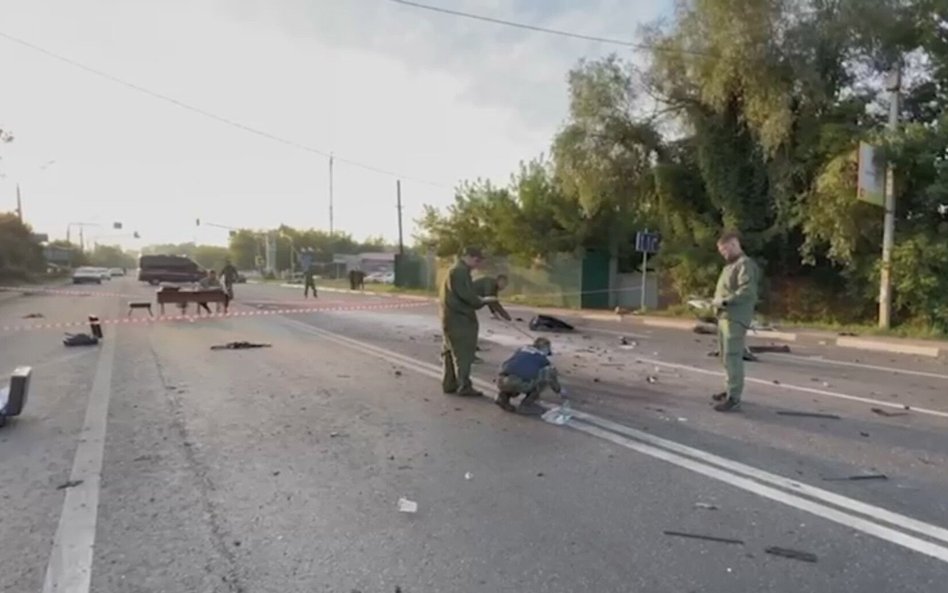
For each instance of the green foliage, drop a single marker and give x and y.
(111, 256)
(763, 104)
(20, 256)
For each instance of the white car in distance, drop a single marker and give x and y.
(87, 275)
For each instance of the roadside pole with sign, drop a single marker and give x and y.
(646, 243)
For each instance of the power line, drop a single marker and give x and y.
(208, 114)
(487, 19)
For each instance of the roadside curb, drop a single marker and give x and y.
(932, 350)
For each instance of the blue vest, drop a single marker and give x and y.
(525, 364)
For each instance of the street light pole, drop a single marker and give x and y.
(331, 227)
(894, 87)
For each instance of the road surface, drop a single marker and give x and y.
(151, 463)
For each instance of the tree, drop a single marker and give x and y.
(111, 256)
(20, 256)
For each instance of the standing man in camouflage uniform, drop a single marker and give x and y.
(734, 300)
(458, 304)
(489, 286)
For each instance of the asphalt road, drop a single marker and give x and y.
(151, 463)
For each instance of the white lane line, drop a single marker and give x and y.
(861, 365)
(850, 504)
(70, 563)
(790, 386)
(858, 523)
(742, 476)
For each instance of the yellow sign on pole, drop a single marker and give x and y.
(870, 182)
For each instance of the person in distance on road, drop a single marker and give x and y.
(208, 282)
(458, 303)
(309, 280)
(734, 300)
(229, 276)
(489, 286)
(528, 371)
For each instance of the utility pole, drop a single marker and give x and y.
(19, 204)
(894, 86)
(398, 190)
(331, 228)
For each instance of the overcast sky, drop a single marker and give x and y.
(428, 96)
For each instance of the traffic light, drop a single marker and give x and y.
(117, 226)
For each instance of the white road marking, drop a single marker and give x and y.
(845, 511)
(70, 563)
(860, 365)
(789, 386)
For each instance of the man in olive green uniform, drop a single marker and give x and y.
(734, 299)
(458, 307)
(489, 286)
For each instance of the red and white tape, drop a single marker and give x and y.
(209, 317)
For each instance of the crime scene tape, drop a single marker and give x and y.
(64, 291)
(209, 317)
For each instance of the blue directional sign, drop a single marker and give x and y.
(646, 242)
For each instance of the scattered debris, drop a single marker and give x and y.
(706, 506)
(468, 476)
(80, 340)
(69, 484)
(886, 413)
(398, 373)
(775, 348)
(710, 538)
(559, 415)
(792, 554)
(705, 329)
(848, 334)
(595, 379)
(681, 419)
(239, 346)
(540, 474)
(856, 478)
(807, 414)
(333, 435)
(550, 324)
(651, 379)
(34, 316)
(863, 434)
(407, 506)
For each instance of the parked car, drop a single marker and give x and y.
(114, 272)
(104, 273)
(156, 269)
(87, 275)
(388, 278)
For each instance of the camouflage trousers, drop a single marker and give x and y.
(514, 386)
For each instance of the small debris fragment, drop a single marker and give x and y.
(792, 554)
(398, 373)
(237, 543)
(651, 379)
(69, 484)
(886, 413)
(775, 348)
(468, 476)
(595, 379)
(776, 382)
(242, 345)
(33, 316)
(807, 414)
(710, 538)
(407, 506)
(333, 435)
(860, 477)
(706, 506)
(80, 340)
(863, 434)
(540, 474)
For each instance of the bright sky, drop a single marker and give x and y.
(425, 95)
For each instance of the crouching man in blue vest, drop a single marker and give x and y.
(528, 371)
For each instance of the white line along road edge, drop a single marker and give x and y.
(70, 563)
(869, 519)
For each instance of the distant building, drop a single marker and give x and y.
(59, 256)
(367, 262)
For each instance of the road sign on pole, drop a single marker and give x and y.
(646, 243)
